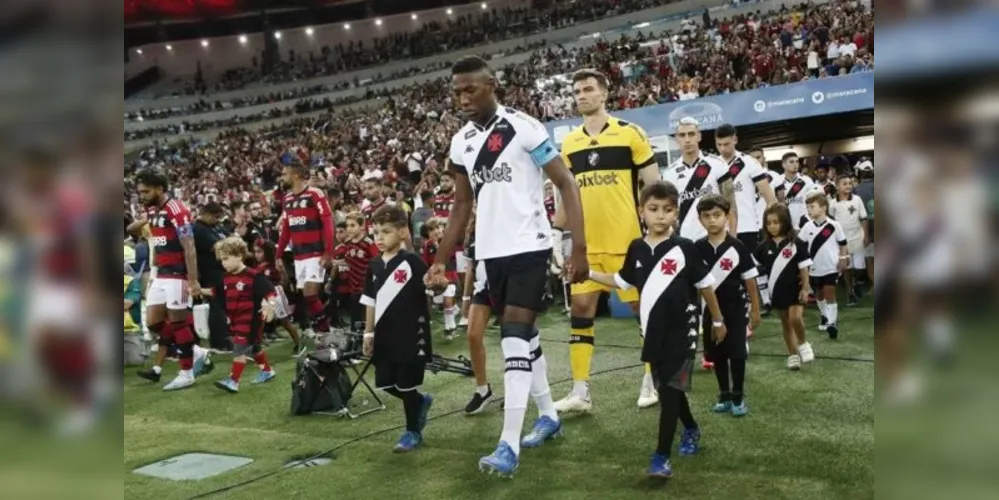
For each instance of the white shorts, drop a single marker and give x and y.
(309, 271)
(57, 306)
(858, 260)
(481, 280)
(281, 309)
(169, 292)
(449, 293)
(461, 263)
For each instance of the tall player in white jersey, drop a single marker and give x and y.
(695, 175)
(793, 189)
(498, 158)
(750, 182)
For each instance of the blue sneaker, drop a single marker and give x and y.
(228, 385)
(408, 442)
(690, 442)
(502, 462)
(263, 377)
(202, 365)
(740, 410)
(428, 401)
(723, 407)
(544, 429)
(659, 467)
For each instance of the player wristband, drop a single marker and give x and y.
(466, 299)
(369, 335)
(591, 273)
(844, 257)
(718, 324)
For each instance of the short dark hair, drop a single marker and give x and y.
(426, 195)
(469, 64)
(236, 205)
(791, 154)
(334, 192)
(392, 215)
(152, 178)
(713, 201)
(660, 190)
(587, 73)
(212, 208)
(755, 149)
(844, 176)
(341, 225)
(725, 131)
(374, 180)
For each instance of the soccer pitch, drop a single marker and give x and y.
(809, 434)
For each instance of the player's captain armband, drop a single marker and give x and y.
(544, 153)
(185, 231)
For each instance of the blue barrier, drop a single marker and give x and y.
(840, 94)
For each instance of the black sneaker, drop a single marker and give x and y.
(833, 331)
(766, 310)
(150, 375)
(297, 350)
(824, 324)
(478, 402)
(449, 335)
(852, 300)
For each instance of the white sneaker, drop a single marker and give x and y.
(463, 322)
(648, 396)
(574, 403)
(806, 353)
(181, 382)
(794, 362)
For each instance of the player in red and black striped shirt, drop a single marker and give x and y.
(307, 224)
(250, 300)
(435, 231)
(352, 259)
(375, 195)
(444, 199)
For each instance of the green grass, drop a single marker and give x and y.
(809, 434)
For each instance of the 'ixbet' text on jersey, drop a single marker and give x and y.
(596, 180)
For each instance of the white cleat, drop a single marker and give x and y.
(794, 362)
(648, 397)
(806, 353)
(574, 403)
(181, 382)
(463, 322)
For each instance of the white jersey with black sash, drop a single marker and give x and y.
(731, 265)
(668, 275)
(745, 173)
(796, 191)
(694, 181)
(824, 241)
(395, 289)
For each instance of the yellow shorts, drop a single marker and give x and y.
(609, 264)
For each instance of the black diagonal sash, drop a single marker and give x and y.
(735, 168)
(499, 139)
(826, 232)
(698, 176)
(795, 189)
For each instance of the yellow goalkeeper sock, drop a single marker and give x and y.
(581, 348)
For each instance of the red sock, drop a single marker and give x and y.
(236, 371)
(261, 360)
(317, 313)
(186, 363)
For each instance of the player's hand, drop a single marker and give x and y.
(434, 275)
(207, 292)
(194, 289)
(718, 333)
(279, 263)
(369, 346)
(326, 261)
(843, 265)
(803, 296)
(755, 320)
(267, 311)
(577, 268)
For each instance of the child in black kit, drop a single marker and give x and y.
(397, 334)
(672, 279)
(734, 273)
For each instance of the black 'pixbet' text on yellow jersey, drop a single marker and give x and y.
(606, 169)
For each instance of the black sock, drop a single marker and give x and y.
(686, 417)
(395, 392)
(738, 380)
(669, 411)
(721, 374)
(412, 402)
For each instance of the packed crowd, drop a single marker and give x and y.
(432, 38)
(739, 53)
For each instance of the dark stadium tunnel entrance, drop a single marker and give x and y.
(814, 130)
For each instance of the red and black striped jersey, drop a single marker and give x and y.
(357, 255)
(64, 223)
(443, 203)
(369, 211)
(168, 224)
(308, 224)
(271, 273)
(243, 293)
(430, 253)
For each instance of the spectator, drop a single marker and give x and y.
(207, 232)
